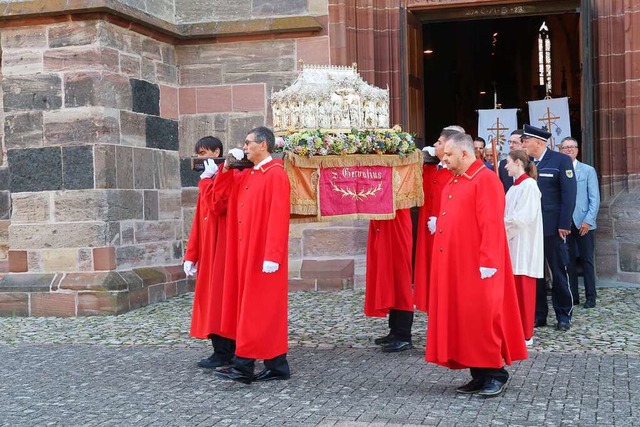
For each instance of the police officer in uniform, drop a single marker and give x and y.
(557, 183)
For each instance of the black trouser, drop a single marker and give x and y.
(278, 364)
(583, 246)
(556, 253)
(400, 322)
(499, 374)
(223, 348)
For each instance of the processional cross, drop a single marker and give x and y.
(496, 141)
(548, 119)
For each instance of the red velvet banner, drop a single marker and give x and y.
(351, 190)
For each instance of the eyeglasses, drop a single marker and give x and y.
(570, 147)
(247, 142)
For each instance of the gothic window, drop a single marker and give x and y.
(544, 58)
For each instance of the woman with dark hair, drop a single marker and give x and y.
(523, 221)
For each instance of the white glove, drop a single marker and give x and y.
(210, 169)
(189, 268)
(237, 153)
(431, 224)
(270, 267)
(487, 272)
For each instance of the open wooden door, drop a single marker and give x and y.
(413, 74)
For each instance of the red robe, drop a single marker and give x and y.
(433, 181)
(389, 265)
(473, 322)
(255, 303)
(206, 249)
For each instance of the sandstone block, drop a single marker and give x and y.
(126, 233)
(249, 98)
(77, 167)
(327, 269)
(168, 53)
(77, 206)
(143, 176)
(242, 57)
(124, 167)
(5, 177)
(148, 70)
(81, 59)
(239, 125)
(214, 99)
(169, 102)
(130, 65)
(23, 38)
(314, 50)
(188, 222)
(132, 128)
(200, 75)
(26, 282)
(156, 294)
(151, 205)
(334, 240)
(138, 298)
(170, 205)
(118, 38)
(104, 258)
(187, 100)
(171, 289)
(73, 34)
(151, 49)
(629, 257)
(103, 281)
(189, 197)
(82, 125)
(21, 62)
(53, 304)
(31, 207)
(18, 261)
(295, 247)
(105, 166)
(58, 235)
(102, 303)
(212, 10)
(85, 260)
(23, 130)
(23, 162)
(166, 73)
(5, 205)
(318, 7)
(167, 170)
(297, 285)
(14, 304)
(154, 231)
(124, 205)
(59, 260)
(95, 88)
(130, 256)
(151, 276)
(35, 92)
(274, 7)
(334, 284)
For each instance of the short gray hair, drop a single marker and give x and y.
(462, 141)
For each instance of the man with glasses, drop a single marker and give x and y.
(557, 183)
(583, 225)
(515, 143)
(256, 274)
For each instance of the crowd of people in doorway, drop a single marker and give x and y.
(524, 225)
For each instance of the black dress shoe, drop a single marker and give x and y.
(212, 363)
(231, 373)
(589, 304)
(383, 340)
(269, 375)
(539, 323)
(563, 326)
(395, 346)
(492, 388)
(473, 386)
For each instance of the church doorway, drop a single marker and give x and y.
(474, 58)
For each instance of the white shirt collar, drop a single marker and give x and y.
(442, 165)
(575, 164)
(542, 155)
(265, 161)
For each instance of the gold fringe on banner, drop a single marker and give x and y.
(354, 160)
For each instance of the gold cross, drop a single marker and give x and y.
(497, 129)
(547, 119)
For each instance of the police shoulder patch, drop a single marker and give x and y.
(569, 173)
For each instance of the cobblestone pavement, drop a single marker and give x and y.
(139, 369)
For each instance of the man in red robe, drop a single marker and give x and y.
(204, 258)
(388, 278)
(434, 177)
(256, 274)
(474, 321)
